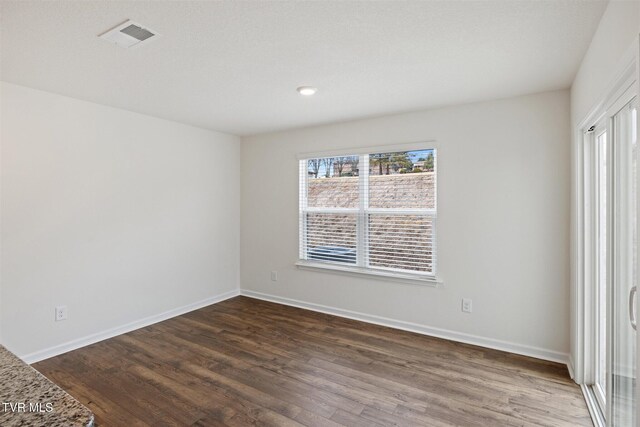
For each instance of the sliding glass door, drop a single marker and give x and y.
(624, 277)
(611, 254)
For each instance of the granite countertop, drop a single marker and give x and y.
(28, 398)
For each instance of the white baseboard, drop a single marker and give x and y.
(525, 350)
(119, 330)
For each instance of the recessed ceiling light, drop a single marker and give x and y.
(307, 90)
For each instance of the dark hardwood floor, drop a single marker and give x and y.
(249, 362)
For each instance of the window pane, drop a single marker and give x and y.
(345, 210)
(402, 180)
(331, 237)
(333, 182)
(401, 242)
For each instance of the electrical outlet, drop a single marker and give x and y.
(274, 276)
(61, 313)
(467, 305)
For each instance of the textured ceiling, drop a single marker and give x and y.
(233, 66)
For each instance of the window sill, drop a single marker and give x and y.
(410, 278)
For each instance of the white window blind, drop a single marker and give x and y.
(372, 211)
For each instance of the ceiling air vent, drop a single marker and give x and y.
(129, 34)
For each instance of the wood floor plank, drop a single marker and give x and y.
(250, 362)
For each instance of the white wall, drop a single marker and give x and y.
(117, 215)
(503, 221)
(605, 59)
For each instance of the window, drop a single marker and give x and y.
(373, 212)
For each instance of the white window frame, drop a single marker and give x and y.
(362, 212)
